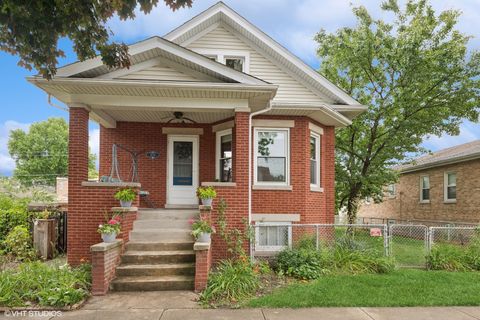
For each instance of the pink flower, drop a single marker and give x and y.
(113, 221)
(191, 221)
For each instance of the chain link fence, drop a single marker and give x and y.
(408, 244)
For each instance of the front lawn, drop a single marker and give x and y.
(404, 287)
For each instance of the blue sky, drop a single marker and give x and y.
(293, 24)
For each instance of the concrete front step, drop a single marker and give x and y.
(159, 246)
(153, 283)
(167, 213)
(170, 269)
(161, 235)
(158, 257)
(161, 223)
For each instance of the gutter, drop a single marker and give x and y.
(441, 163)
(256, 113)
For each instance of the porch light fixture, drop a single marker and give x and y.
(153, 154)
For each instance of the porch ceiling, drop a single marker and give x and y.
(163, 116)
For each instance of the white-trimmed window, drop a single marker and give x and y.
(392, 190)
(425, 189)
(224, 169)
(450, 187)
(273, 236)
(315, 160)
(272, 156)
(236, 63)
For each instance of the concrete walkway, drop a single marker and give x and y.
(180, 305)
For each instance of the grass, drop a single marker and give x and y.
(401, 288)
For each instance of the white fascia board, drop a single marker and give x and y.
(267, 40)
(339, 119)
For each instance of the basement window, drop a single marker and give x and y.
(273, 236)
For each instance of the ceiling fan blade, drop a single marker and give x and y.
(192, 121)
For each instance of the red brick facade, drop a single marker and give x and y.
(105, 257)
(85, 203)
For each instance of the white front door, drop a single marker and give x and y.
(182, 178)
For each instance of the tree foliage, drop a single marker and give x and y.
(416, 77)
(41, 154)
(31, 29)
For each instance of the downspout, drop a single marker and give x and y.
(268, 108)
(55, 105)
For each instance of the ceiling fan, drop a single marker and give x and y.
(178, 117)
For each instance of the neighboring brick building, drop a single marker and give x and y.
(214, 102)
(439, 188)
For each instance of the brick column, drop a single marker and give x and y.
(203, 263)
(77, 173)
(105, 258)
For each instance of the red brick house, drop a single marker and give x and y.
(214, 102)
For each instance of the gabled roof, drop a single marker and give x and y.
(220, 12)
(157, 47)
(460, 153)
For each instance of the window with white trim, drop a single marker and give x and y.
(314, 160)
(224, 170)
(392, 190)
(271, 156)
(273, 236)
(450, 187)
(236, 63)
(425, 189)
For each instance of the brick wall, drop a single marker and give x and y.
(406, 204)
(105, 257)
(203, 263)
(143, 137)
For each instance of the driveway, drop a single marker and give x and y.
(179, 305)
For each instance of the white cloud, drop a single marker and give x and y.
(7, 164)
(94, 143)
(469, 131)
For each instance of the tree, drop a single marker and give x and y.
(416, 78)
(31, 29)
(41, 154)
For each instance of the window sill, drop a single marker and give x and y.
(272, 187)
(219, 184)
(316, 189)
(424, 202)
(449, 201)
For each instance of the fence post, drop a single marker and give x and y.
(316, 239)
(385, 240)
(430, 239)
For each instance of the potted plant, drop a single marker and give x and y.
(126, 197)
(109, 230)
(202, 230)
(206, 194)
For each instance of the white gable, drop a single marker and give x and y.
(161, 73)
(290, 89)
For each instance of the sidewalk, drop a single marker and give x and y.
(179, 305)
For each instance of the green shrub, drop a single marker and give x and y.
(18, 243)
(39, 284)
(125, 194)
(455, 257)
(311, 264)
(232, 281)
(12, 213)
(306, 241)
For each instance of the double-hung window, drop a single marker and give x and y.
(314, 160)
(425, 189)
(272, 156)
(450, 187)
(224, 156)
(273, 236)
(392, 190)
